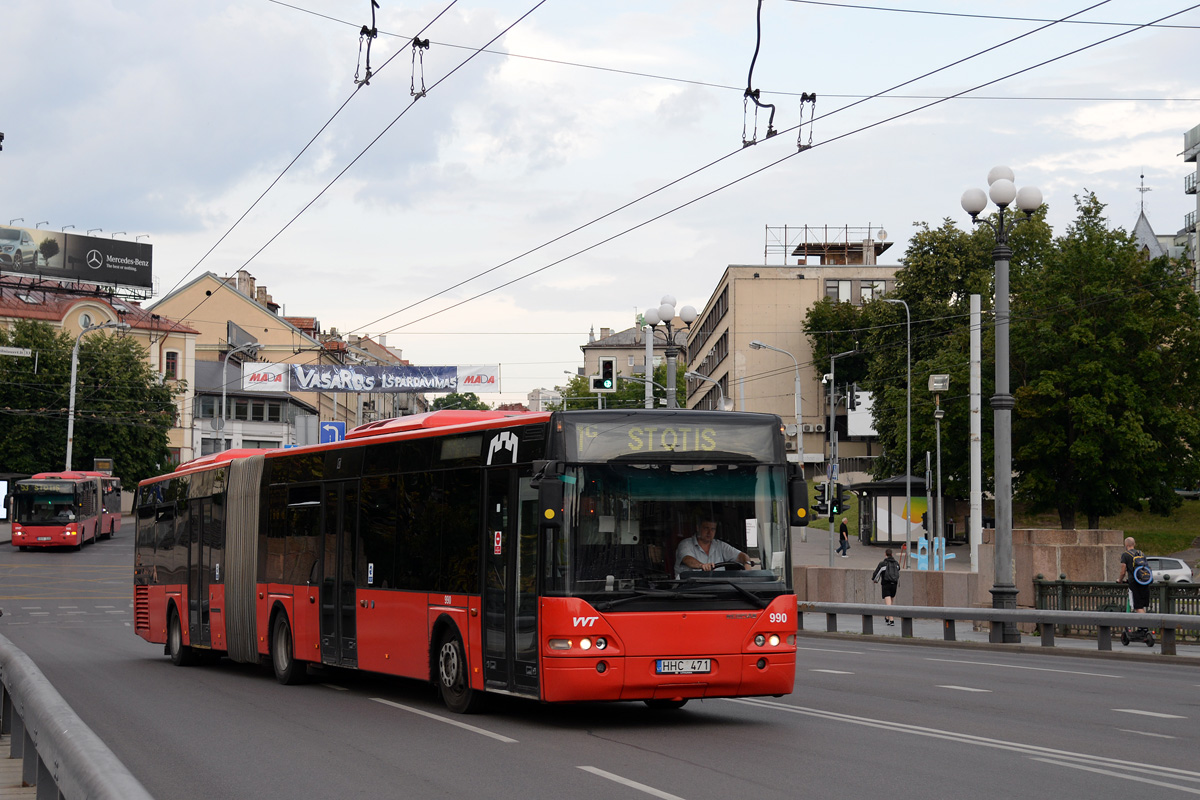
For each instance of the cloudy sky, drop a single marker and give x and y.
(493, 221)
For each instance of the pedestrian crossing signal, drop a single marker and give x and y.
(607, 380)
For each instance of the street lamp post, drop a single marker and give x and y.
(832, 474)
(124, 326)
(757, 345)
(665, 315)
(224, 410)
(907, 427)
(714, 382)
(937, 385)
(1003, 192)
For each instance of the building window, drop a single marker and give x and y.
(173, 456)
(267, 444)
(871, 290)
(274, 411)
(241, 408)
(171, 366)
(838, 290)
(206, 407)
(631, 364)
(258, 411)
(210, 446)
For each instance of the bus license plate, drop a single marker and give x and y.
(44, 538)
(683, 666)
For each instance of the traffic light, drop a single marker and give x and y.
(837, 502)
(822, 506)
(925, 520)
(607, 381)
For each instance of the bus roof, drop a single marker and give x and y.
(73, 475)
(444, 418)
(221, 457)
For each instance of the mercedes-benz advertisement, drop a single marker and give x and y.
(67, 256)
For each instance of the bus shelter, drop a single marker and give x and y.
(882, 510)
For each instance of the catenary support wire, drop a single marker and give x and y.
(753, 94)
(368, 35)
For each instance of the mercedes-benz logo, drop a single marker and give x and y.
(95, 259)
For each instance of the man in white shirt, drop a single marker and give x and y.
(703, 550)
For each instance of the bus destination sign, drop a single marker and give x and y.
(603, 440)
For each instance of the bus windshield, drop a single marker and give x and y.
(628, 526)
(45, 509)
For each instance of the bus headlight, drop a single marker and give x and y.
(760, 640)
(774, 640)
(560, 644)
(585, 644)
(601, 643)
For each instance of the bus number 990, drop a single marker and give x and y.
(778, 617)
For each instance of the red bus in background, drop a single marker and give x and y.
(57, 509)
(110, 504)
(528, 554)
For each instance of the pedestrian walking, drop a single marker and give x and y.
(887, 575)
(844, 540)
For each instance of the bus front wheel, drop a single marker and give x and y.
(453, 681)
(665, 705)
(181, 654)
(288, 670)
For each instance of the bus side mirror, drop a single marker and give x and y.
(798, 501)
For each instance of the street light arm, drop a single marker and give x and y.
(224, 382)
(123, 326)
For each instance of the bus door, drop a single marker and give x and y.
(339, 535)
(199, 559)
(510, 584)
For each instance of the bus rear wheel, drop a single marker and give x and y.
(288, 670)
(181, 654)
(453, 681)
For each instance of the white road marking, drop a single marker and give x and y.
(105, 606)
(1014, 666)
(831, 650)
(116, 612)
(641, 787)
(39, 614)
(62, 607)
(1146, 733)
(832, 671)
(963, 688)
(1115, 774)
(335, 688)
(1126, 768)
(453, 722)
(69, 613)
(30, 608)
(1139, 712)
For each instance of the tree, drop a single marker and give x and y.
(48, 249)
(123, 410)
(460, 400)
(1105, 348)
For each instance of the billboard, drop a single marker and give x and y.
(368, 378)
(71, 257)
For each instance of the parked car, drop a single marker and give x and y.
(17, 248)
(1169, 570)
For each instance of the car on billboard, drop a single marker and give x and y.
(17, 248)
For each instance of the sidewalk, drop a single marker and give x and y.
(815, 552)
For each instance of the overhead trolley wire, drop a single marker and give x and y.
(725, 186)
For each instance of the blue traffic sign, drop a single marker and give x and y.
(332, 432)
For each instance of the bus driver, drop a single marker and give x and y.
(703, 550)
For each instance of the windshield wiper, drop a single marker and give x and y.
(753, 598)
(641, 594)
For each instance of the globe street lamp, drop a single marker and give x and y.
(1002, 192)
(757, 345)
(665, 315)
(720, 392)
(907, 428)
(124, 326)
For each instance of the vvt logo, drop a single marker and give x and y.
(584, 622)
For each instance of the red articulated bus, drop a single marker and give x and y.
(56, 509)
(528, 554)
(110, 504)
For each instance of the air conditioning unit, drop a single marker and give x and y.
(789, 445)
(819, 427)
(807, 427)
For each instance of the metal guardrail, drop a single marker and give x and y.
(60, 755)
(1045, 620)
